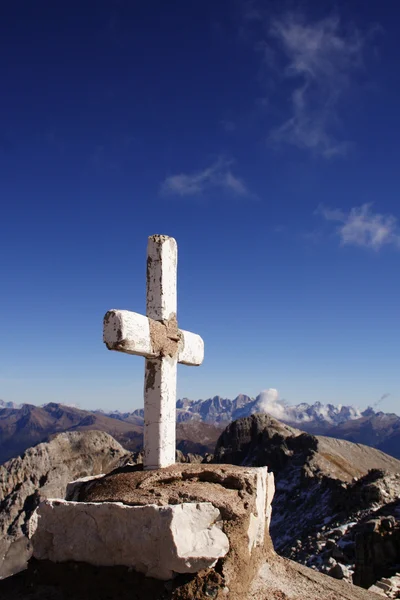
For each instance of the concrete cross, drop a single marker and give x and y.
(158, 339)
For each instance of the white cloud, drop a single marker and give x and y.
(320, 57)
(361, 227)
(218, 175)
(269, 402)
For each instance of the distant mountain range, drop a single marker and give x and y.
(4, 404)
(218, 410)
(200, 422)
(21, 428)
(377, 429)
(223, 410)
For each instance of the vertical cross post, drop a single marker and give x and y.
(160, 375)
(156, 337)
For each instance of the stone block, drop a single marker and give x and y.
(383, 586)
(158, 541)
(264, 492)
(376, 590)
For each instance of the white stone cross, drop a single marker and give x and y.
(158, 339)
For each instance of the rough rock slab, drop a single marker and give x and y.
(158, 541)
(282, 579)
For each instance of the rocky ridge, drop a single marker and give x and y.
(325, 490)
(364, 546)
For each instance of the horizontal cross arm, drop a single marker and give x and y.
(129, 332)
(191, 351)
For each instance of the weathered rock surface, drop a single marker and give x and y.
(388, 587)
(359, 537)
(377, 546)
(282, 579)
(259, 439)
(158, 541)
(44, 471)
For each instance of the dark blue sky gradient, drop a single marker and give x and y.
(101, 102)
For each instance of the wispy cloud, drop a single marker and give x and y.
(320, 57)
(308, 68)
(218, 175)
(362, 227)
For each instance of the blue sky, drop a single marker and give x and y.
(263, 136)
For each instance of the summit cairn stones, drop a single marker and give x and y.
(157, 338)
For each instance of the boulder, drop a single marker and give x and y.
(41, 472)
(339, 571)
(377, 551)
(158, 541)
